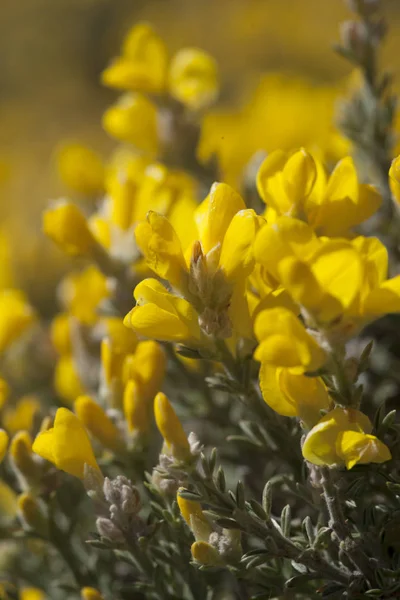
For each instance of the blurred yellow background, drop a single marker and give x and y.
(52, 53)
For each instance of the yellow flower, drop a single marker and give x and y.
(294, 395)
(16, 316)
(111, 361)
(192, 513)
(161, 315)
(82, 292)
(67, 226)
(205, 554)
(322, 275)
(98, 423)
(60, 333)
(193, 78)
(218, 261)
(66, 444)
(147, 367)
(31, 593)
(284, 342)
(285, 183)
(67, 382)
(298, 186)
(162, 248)
(133, 119)
(343, 436)
(22, 415)
(143, 64)
(81, 169)
(170, 427)
(136, 408)
(3, 444)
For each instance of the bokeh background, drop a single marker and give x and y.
(53, 51)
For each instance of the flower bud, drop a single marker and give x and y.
(60, 333)
(136, 408)
(98, 423)
(192, 512)
(107, 529)
(354, 36)
(81, 169)
(32, 593)
(205, 554)
(147, 367)
(89, 593)
(22, 456)
(67, 226)
(67, 382)
(170, 427)
(31, 513)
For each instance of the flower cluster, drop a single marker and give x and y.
(246, 332)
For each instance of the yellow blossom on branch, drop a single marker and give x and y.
(66, 444)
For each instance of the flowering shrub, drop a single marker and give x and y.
(201, 418)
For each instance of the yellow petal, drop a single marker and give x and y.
(346, 203)
(215, 213)
(237, 255)
(205, 554)
(161, 247)
(170, 427)
(66, 379)
(16, 316)
(67, 226)
(81, 169)
(193, 78)
(320, 446)
(147, 367)
(361, 448)
(339, 271)
(301, 283)
(44, 445)
(136, 408)
(98, 423)
(22, 414)
(285, 342)
(162, 315)
(385, 299)
(271, 166)
(142, 66)
(89, 593)
(67, 443)
(133, 119)
(299, 175)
